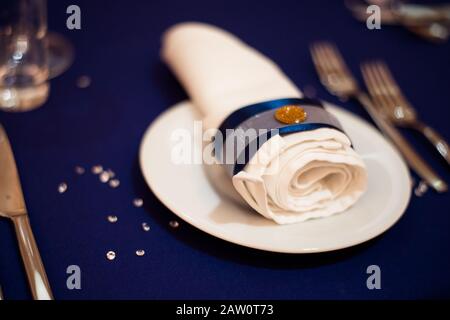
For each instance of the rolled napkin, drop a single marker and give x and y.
(294, 176)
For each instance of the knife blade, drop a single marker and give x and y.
(428, 22)
(12, 206)
(12, 202)
(398, 12)
(420, 14)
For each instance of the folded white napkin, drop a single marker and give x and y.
(296, 177)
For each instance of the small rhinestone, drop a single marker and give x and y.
(83, 82)
(112, 219)
(140, 253)
(97, 169)
(114, 183)
(79, 170)
(111, 173)
(145, 226)
(110, 255)
(421, 189)
(104, 177)
(138, 202)
(174, 224)
(62, 187)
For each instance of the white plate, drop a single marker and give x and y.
(186, 190)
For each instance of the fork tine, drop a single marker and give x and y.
(392, 88)
(385, 73)
(373, 85)
(332, 70)
(331, 56)
(387, 92)
(331, 63)
(335, 58)
(377, 90)
(370, 83)
(323, 61)
(318, 62)
(321, 49)
(325, 69)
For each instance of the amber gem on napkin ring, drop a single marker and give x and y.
(290, 114)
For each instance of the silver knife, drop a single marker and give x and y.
(428, 22)
(397, 12)
(420, 14)
(12, 206)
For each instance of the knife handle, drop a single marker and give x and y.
(34, 267)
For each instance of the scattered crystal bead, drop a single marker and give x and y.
(138, 202)
(104, 177)
(114, 183)
(174, 224)
(110, 255)
(421, 189)
(83, 82)
(79, 170)
(111, 173)
(145, 226)
(97, 169)
(112, 219)
(140, 253)
(62, 187)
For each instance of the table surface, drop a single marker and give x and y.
(118, 47)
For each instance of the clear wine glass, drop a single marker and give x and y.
(29, 55)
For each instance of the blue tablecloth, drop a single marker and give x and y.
(118, 47)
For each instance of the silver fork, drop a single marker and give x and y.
(385, 92)
(336, 77)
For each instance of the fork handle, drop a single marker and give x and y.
(436, 139)
(37, 278)
(414, 160)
